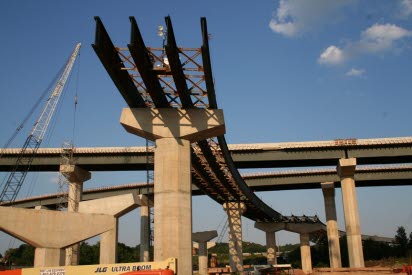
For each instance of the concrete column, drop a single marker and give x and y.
(202, 239)
(203, 258)
(145, 231)
(305, 253)
(48, 257)
(234, 212)
(346, 171)
(116, 207)
(76, 177)
(173, 202)
(271, 248)
(108, 246)
(328, 190)
(51, 231)
(173, 130)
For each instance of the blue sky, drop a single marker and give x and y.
(298, 70)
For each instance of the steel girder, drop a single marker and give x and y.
(213, 168)
(111, 61)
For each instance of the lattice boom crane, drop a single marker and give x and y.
(33, 141)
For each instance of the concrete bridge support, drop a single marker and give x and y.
(202, 239)
(116, 207)
(145, 229)
(76, 177)
(305, 254)
(234, 212)
(271, 248)
(346, 171)
(52, 231)
(173, 130)
(328, 189)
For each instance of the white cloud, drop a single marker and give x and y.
(355, 72)
(378, 38)
(405, 8)
(295, 17)
(332, 55)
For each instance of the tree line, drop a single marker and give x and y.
(373, 250)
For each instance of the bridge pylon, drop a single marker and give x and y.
(173, 131)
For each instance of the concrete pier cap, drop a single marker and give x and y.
(203, 237)
(74, 173)
(189, 124)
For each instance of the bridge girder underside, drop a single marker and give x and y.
(173, 77)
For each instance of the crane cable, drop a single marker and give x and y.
(76, 99)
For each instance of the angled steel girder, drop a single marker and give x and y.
(141, 58)
(111, 61)
(179, 77)
(207, 65)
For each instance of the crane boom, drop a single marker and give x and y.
(33, 141)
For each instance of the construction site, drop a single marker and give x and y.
(170, 100)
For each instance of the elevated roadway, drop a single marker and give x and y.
(264, 155)
(272, 181)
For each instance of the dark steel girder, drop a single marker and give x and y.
(262, 209)
(111, 61)
(141, 58)
(176, 68)
(207, 65)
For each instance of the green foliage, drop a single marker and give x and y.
(89, 254)
(401, 240)
(21, 256)
(127, 254)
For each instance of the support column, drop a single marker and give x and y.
(76, 177)
(173, 130)
(271, 248)
(346, 171)
(108, 246)
(202, 239)
(305, 253)
(173, 202)
(328, 189)
(144, 230)
(234, 212)
(203, 258)
(48, 257)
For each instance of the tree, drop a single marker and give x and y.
(410, 241)
(401, 240)
(21, 256)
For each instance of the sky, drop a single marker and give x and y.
(298, 70)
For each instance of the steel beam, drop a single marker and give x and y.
(176, 68)
(142, 61)
(111, 61)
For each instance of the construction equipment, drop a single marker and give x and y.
(33, 141)
(166, 267)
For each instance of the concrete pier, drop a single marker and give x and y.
(173, 130)
(116, 207)
(234, 212)
(202, 239)
(328, 189)
(346, 171)
(51, 231)
(305, 253)
(76, 177)
(271, 248)
(145, 230)
(301, 228)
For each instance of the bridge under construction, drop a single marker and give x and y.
(171, 101)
